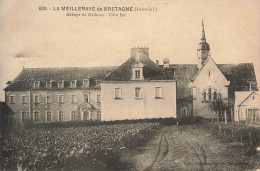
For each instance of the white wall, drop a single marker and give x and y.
(249, 103)
(130, 108)
(203, 81)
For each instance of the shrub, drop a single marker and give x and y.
(68, 124)
(237, 132)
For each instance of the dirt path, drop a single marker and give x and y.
(193, 148)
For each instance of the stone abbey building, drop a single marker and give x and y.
(139, 88)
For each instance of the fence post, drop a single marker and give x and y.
(225, 113)
(231, 114)
(250, 138)
(217, 117)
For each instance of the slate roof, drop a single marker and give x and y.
(184, 74)
(239, 76)
(151, 71)
(25, 80)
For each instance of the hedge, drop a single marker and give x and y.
(163, 121)
(237, 132)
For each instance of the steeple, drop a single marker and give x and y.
(203, 48)
(203, 38)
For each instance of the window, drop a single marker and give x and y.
(49, 84)
(24, 100)
(24, 116)
(48, 98)
(137, 92)
(60, 117)
(209, 93)
(209, 73)
(158, 92)
(36, 99)
(73, 115)
(73, 98)
(61, 98)
(11, 99)
(118, 93)
(73, 84)
(98, 115)
(86, 98)
(61, 84)
(215, 96)
(36, 116)
(97, 83)
(48, 116)
(98, 98)
(85, 82)
(204, 96)
(137, 74)
(36, 84)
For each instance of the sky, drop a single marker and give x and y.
(34, 38)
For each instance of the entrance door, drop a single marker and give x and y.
(85, 115)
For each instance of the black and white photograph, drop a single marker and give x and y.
(129, 85)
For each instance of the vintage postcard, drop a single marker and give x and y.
(130, 84)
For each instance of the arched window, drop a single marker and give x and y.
(184, 112)
(215, 95)
(209, 93)
(204, 96)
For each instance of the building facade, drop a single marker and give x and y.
(56, 94)
(247, 105)
(201, 83)
(138, 89)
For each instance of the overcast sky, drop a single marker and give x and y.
(33, 38)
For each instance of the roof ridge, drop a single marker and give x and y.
(67, 67)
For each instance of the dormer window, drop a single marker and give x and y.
(137, 71)
(61, 84)
(137, 74)
(49, 84)
(86, 83)
(73, 84)
(36, 84)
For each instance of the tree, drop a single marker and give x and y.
(219, 106)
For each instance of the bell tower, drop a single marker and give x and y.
(203, 49)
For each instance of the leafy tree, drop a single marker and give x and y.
(218, 106)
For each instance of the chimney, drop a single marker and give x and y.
(140, 52)
(166, 63)
(157, 62)
(250, 86)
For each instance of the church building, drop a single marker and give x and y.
(199, 84)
